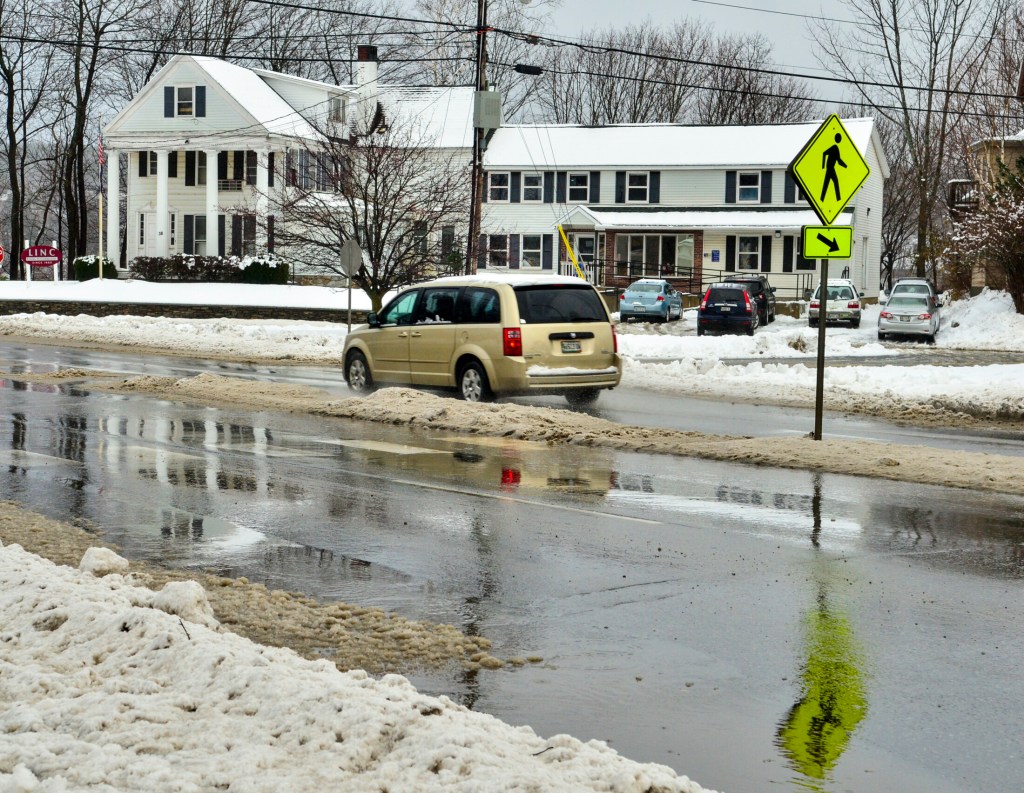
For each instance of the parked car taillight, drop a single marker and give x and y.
(704, 300)
(924, 316)
(615, 340)
(746, 298)
(661, 298)
(853, 304)
(814, 304)
(623, 296)
(512, 341)
(886, 315)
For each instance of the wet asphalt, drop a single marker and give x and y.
(753, 628)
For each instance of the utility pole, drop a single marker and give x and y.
(477, 189)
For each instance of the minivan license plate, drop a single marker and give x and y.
(571, 346)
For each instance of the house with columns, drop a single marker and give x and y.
(208, 143)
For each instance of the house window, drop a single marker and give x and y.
(637, 188)
(152, 162)
(184, 100)
(748, 253)
(749, 186)
(531, 250)
(638, 255)
(199, 236)
(497, 250)
(419, 238)
(533, 188)
(337, 110)
(498, 187)
(142, 232)
(248, 235)
(579, 188)
(201, 167)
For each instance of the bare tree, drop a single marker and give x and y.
(918, 63)
(899, 216)
(737, 89)
(392, 191)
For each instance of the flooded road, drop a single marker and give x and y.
(753, 628)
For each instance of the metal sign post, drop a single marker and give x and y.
(830, 170)
(351, 261)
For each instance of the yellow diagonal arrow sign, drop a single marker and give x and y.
(827, 242)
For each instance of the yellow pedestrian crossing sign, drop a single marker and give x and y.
(827, 242)
(829, 169)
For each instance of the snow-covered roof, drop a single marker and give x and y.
(250, 90)
(440, 117)
(553, 146)
(695, 219)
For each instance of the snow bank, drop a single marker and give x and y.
(105, 692)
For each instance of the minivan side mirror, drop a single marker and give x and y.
(371, 320)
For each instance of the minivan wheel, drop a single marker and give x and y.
(473, 385)
(357, 373)
(581, 397)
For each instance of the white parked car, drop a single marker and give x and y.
(842, 304)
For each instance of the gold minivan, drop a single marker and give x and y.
(489, 335)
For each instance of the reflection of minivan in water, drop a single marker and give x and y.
(488, 335)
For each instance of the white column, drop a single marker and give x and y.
(262, 199)
(211, 202)
(113, 206)
(162, 206)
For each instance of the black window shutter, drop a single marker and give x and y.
(654, 188)
(766, 187)
(730, 254)
(801, 262)
(236, 235)
(190, 234)
(221, 242)
(787, 254)
(595, 187)
(172, 165)
(168, 101)
(546, 256)
(270, 233)
(486, 188)
(222, 165)
(143, 163)
(730, 187)
(790, 191)
(190, 169)
(238, 166)
(270, 170)
(620, 187)
(481, 253)
(200, 101)
(560, 187)
(549, 187)
(513, 251)
(766, 253)
(515, 187)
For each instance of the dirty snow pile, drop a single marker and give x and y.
(110, 686)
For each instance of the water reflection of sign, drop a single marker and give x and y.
(817, 728)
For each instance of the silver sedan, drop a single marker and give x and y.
(910, 315)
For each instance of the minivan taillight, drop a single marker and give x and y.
(512, 341)
(615, 340)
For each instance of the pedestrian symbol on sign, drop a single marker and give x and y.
(830, 158)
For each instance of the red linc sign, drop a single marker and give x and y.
(41, 256)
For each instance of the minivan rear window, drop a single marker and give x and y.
(562, 303)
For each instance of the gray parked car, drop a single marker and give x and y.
(915, 286)
(909, 314)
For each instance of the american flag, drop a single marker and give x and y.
(103, 154)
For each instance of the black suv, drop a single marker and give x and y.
(762, 292)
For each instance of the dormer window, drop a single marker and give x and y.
(750, 187)
(184, 101)
(337, 110)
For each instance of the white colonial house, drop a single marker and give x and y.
(207, 142)
(690, 203)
